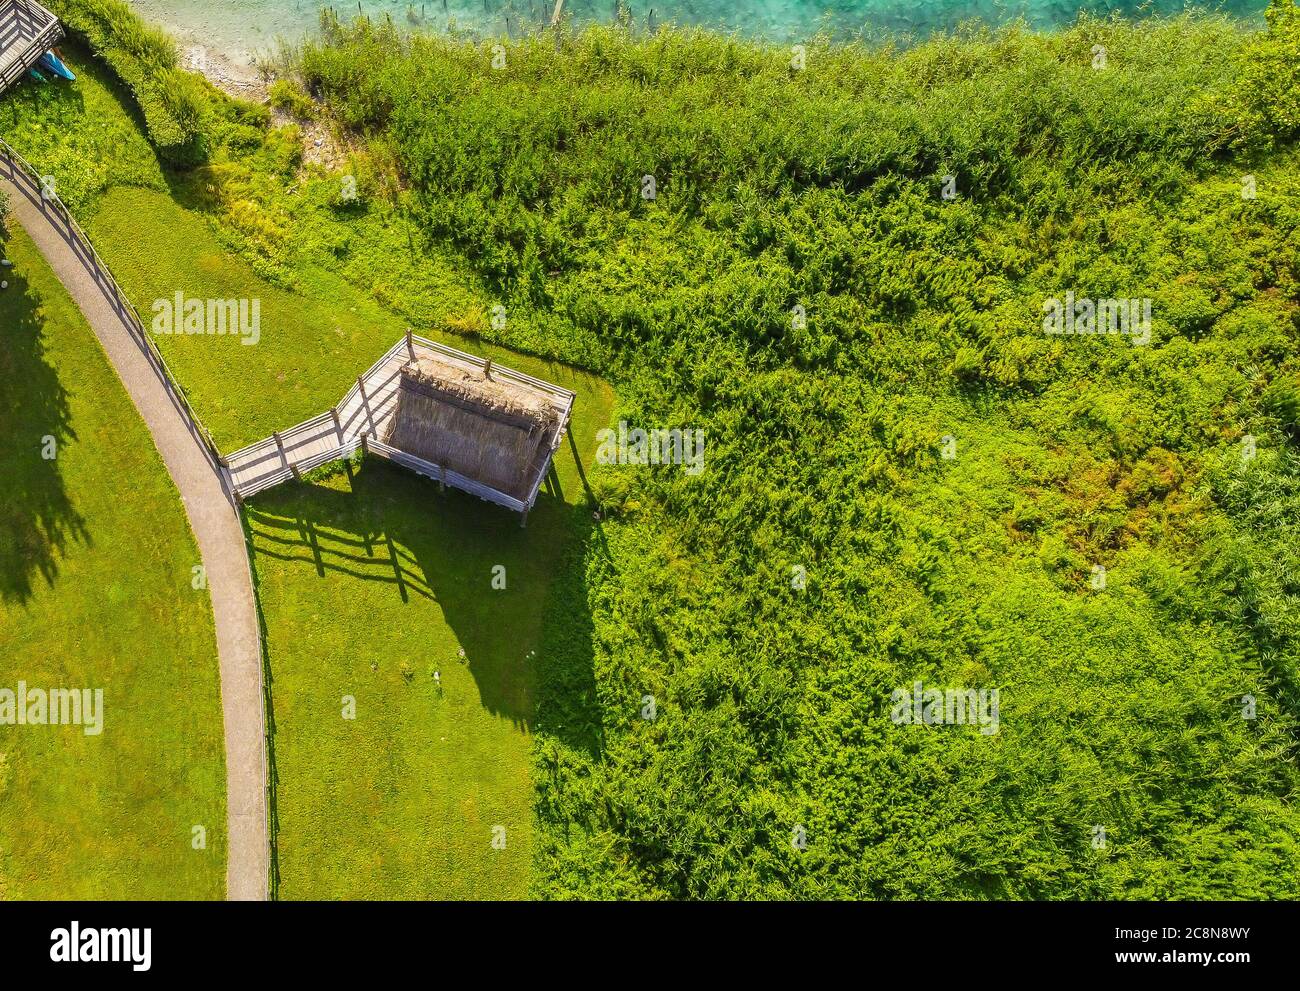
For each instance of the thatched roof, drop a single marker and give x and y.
(495, 431)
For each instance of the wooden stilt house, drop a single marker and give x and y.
(452, 417)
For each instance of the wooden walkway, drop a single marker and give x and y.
(361, 418)
(27, 31)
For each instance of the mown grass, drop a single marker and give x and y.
(370, 581)
(95, 591)
(380, 569)
(315, 339)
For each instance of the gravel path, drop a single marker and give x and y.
(213, 518)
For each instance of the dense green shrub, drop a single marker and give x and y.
(175, 104)
(830, 440)
(1283, 400)
(1267, 96)
(289, 98)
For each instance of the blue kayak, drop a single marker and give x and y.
(52, 63)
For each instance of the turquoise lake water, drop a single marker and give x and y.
(242, 26)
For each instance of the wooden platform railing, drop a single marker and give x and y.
(356, 422)
(47, 32)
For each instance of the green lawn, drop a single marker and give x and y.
(370, 581)
(95, 592)
(313, 344)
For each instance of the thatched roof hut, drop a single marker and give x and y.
(497, 430)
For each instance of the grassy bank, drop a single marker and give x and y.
(885, 412)
(315, 339)
(95, 592)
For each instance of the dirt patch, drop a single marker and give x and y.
(321, 147)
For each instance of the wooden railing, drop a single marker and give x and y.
(125, 308)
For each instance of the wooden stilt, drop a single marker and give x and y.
(410, 345)
(365, 401)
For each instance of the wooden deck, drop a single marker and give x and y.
(362, 417)
(27, 31)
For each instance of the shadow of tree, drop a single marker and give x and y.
(392, 527)
(37, 519)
